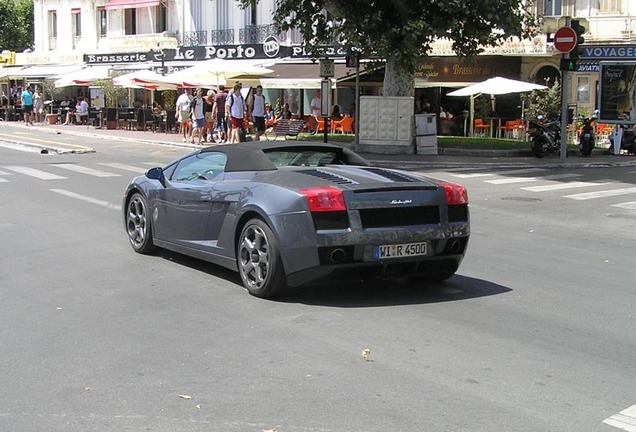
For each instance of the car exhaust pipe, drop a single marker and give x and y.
(455, 246)
(338, 256)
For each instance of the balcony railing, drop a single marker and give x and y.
(255, 34)
(195, 38)
(222, 37)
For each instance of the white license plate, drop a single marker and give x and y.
(399, 250)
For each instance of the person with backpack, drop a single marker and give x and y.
(258, 112)
(235, 106)
(197, 113)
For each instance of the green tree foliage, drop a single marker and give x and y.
(16, 25)
(402, 31)
(545, 102)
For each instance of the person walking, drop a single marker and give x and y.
(182, 113)
(197, 113)
(258, 113)
(235, 107)
(209, 118)
(218, 113)
(315, 110)
(27, 104)
(38, 107)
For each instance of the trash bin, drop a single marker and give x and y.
(426, 133)
(51, 119)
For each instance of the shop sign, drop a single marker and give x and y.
(512, 46)
(624, 52)
(446, 69)
(269, 49)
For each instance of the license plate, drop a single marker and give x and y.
(399, 250)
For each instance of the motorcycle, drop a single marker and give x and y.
(586, 136)
(628, 140)
(545, 136)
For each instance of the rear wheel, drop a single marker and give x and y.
(537, 146)
(259, 261)
(138, 225)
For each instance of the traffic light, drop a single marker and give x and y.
(579, 30)
(568, 65)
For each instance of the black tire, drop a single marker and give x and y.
(139, 225)
(259, 261)
(585, 146)
(537, 146)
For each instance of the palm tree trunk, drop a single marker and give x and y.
(398, 80)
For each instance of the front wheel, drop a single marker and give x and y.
(259, 261)
(537, 146)
(586, 143)
(138, 225)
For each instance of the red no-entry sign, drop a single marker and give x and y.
(565, 39)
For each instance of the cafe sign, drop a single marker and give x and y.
(452, 69)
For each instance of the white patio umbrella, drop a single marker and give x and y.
(83, 77)
(215, 72)
(494, 86)
(145, 79)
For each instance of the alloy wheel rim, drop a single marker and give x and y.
(136, 222)
(254, 257)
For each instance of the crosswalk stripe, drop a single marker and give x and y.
(4, 173)
(531, 179)
(42, 175)
(87, 199)
(626, 205)
(85, 170)
(601, 194)
(509, 172)
(124, 167)
(561, 186)
(2, 180)
(625, 420)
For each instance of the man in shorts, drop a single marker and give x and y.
(258, 113)
(235, 106)
(182, 113)
(27, 104)
(218, 113)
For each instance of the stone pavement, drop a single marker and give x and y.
(446, 158)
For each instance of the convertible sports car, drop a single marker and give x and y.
(284, 214)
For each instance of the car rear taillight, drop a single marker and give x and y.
(324, 199)
(455, 194)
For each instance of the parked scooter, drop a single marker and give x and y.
(545, 136)
(628, 140)
(586, 136)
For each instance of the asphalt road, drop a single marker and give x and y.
(534, 333)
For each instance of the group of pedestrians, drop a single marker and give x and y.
(32, 106)
(220, 116)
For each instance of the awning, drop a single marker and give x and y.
(298, 75)
(45, 71)
(10, 71)
(83, 77)
(130, 4)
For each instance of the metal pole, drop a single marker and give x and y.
(357, 109)
(565, 87)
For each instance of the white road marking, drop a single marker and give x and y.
(86, 170)
(124, 167)
(601, 194)
(561, 186)
(3, 180)
(626, 205)
(87, 199)
(42, 175)
(509, 172)
(625, 420)
(153, 164)
(532, 179)
(4, 173)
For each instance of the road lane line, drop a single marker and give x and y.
(601, 194)
(532, 179)
(4, 173)
(625, 420)
(87, 199)
(42, 175)
(124, 167)
(561, 186)
(509, 172)
(626, 205)
(2, 180)
(85, 170)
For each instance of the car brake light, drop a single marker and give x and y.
(455, 194)
(322, 199)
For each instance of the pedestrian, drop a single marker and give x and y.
(315, 109)
(38, 107)
(218, 113)
(198, 116)
(182, 113)
(209, 118)
(258, 113)
(27, 104)
(286, 114)
(71, 111)
(235, 107)
(81, 110)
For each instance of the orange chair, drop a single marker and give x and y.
(480, 127)
(344, 126)
(321, 124)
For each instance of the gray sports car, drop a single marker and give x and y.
(284, 214)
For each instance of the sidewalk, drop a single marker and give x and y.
(447, 157)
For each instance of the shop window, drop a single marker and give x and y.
(130, 21)
(161, 24)
(103, 23)
(52, 30)
(583, 89)
(552, 7)
(76, 26)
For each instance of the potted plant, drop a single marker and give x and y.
(112, 95)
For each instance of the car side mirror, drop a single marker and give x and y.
(156, 174)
